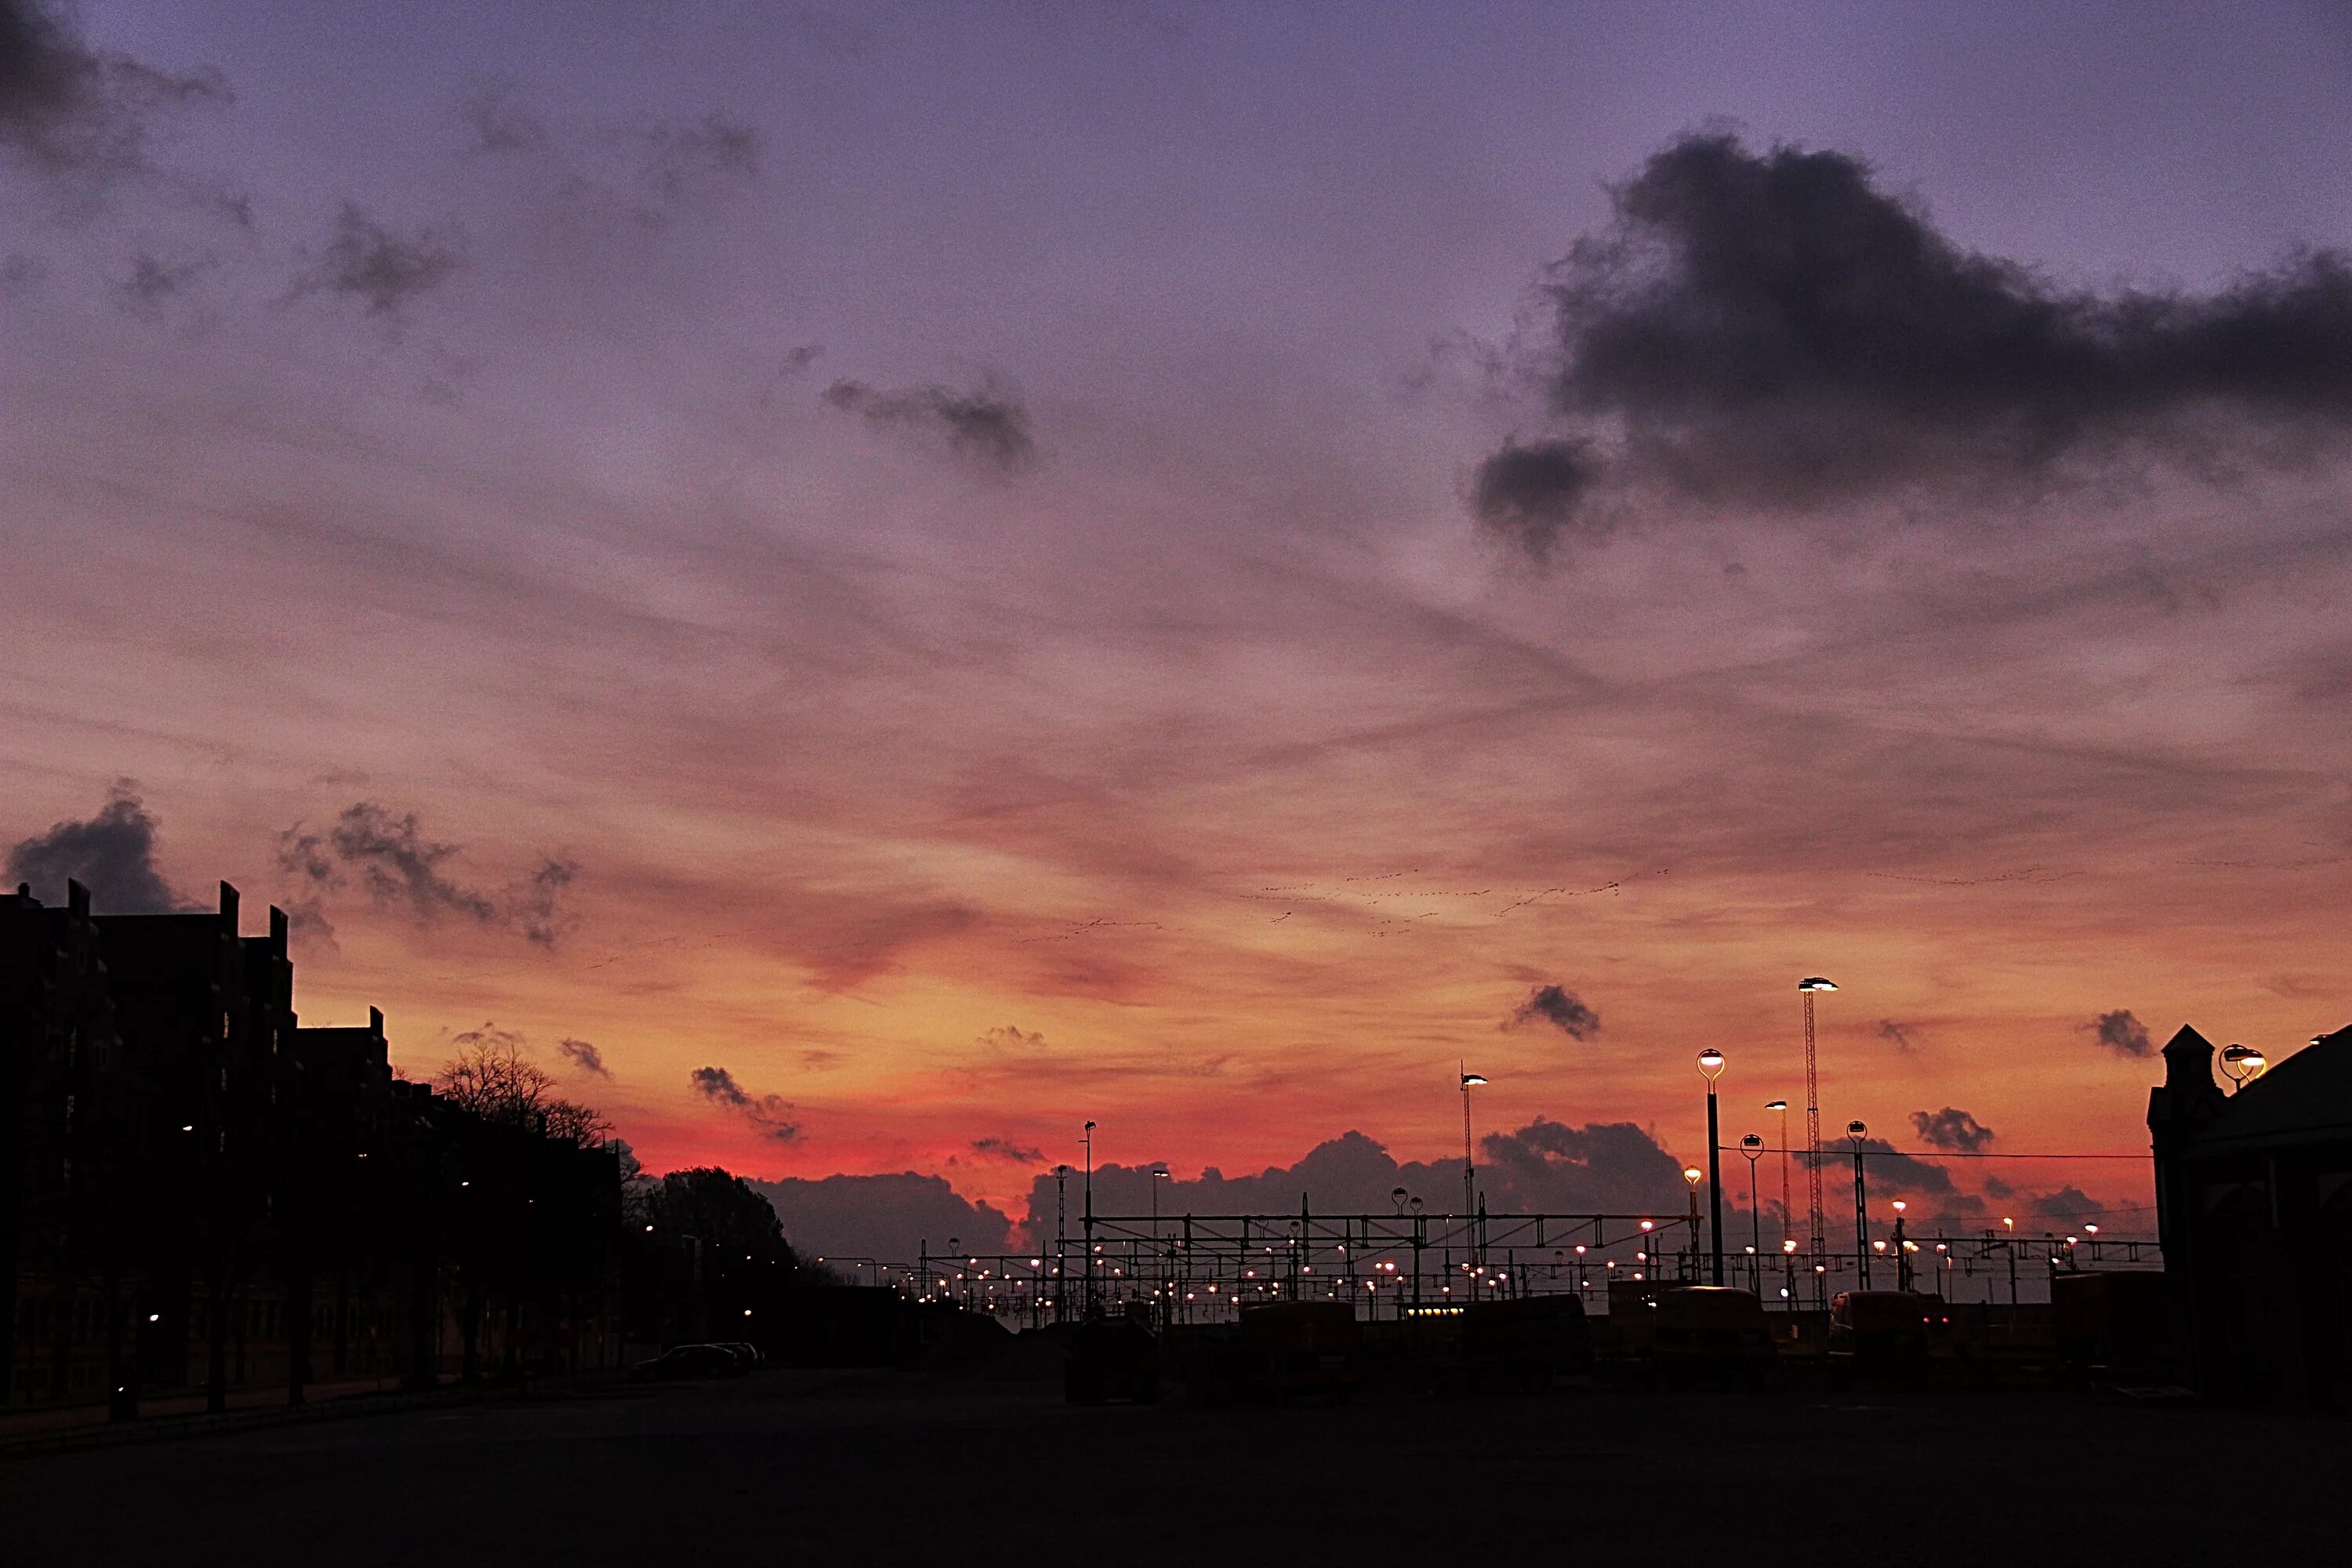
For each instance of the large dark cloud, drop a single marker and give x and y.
(67, 109)
(1775, 330)
(380, 268)
(891, 1218)
(398, 867)
(1951, 1128)
(112, 854)
(2122, 1033)
(771, 1113)
(1546, 1166)
(1559, 1008)
(987, 426)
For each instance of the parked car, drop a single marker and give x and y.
(1710, 1334)
(750, 1354)
(1885, 1334)
(681, 1362)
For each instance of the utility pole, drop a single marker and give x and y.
(1858, 1132)
(1090, 1219)
(1710, 1067)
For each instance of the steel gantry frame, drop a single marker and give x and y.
(1203, 1268)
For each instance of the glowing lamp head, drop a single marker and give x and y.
(1900, 1205)
(1473, 1080)
(1815, 983)
(1693, 1174)
(1790, 1247)
(1776, 1105)
(1710, 1063)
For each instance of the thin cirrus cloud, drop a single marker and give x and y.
(1775, 330)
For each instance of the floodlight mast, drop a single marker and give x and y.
(1807, 987)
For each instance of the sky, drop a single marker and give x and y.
(875, 582)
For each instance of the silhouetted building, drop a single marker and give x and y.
(196, 1192)
(2254, 1206)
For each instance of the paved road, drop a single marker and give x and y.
(889, 1469)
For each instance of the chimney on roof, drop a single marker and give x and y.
(375, 1021)
(76, 899)
(228, 907)
(277, 929)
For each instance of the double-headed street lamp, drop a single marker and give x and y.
(1710, 1068)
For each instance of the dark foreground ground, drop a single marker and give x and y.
(887, 1468)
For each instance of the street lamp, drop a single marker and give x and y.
(1752, 1145)
(1692, 1176)
(1469, 1168)
(1858, 1132)
(1782, 1107)
(2242, 1063)
(1710, 1068)
(1806, 989)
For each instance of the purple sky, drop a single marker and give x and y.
(949, 529)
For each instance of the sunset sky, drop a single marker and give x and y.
(907, 576)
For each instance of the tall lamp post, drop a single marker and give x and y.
(1807, 988)
(1788, 1219)
(1089, 1221)
(1858, 1131)
(1710, 1068)
(1469, 1168)
(1692, 1176)
(1752, 1145)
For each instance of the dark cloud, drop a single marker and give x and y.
(154, 283)
(583, 1055)
(1951, 1129)
(1528, 493)
(383, 271)
(1009, 1038)
(69, 110)
(771, 1113)
(498, 121)
(1006, 1149)
(2122, 1033)
(112, 855)
(891, 1218)
(1886, 1168)
(987, 426)
(1559, 1008)
(678, 157)
(1896, 1035)
(1775, 330)
(399, 867)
